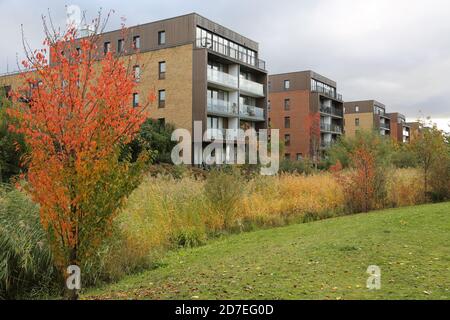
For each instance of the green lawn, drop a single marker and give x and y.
(320, 260)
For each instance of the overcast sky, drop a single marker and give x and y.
(397, 52)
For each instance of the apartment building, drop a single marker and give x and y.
(366, 115)
(199, 71)
(400, 130)
(307, 109)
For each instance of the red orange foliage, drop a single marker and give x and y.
(75, 121)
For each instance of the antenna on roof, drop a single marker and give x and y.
(85, 29)
(77, 19)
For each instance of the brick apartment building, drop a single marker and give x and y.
(400, 130)
(294, 99)
(199, 70)
(366, 115)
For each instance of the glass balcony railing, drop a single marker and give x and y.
(222, 78)
(222, 107)
(332, 111)
(330, 93)
(334, 128)
(222, 134)
(385, 126)
(251, 87)
(252, 112)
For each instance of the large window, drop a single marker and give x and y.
(137, 42)
(137, 73)
(135, 100)
(287, 140)
(224, 46)
(287, 104)
(106, 47)
(161, 37)
(322, 87)
(162, 98)
(162, 70)
(120, 45)
(287, 122)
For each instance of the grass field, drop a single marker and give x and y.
(321, 260)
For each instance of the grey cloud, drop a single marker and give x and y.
(393, 51)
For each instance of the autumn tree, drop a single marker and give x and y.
(76, 121)
(433, 156)
(313, 127)
(364, 183)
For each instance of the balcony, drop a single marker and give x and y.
(329, 93)
(222, 107)
(332, 111)
(222, 134)
(222, 79)
(251, 88)
(332, 128)
(385, 126)
(252, 112)
(230, 52)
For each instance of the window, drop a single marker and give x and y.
(287, 122)
(287, 140)
(161, 37)
(287, 84)
(120, 45)
(206, 39)
(299, 156)
(137, 73)
(268, 106)
(287, 156)
(79, 51)
(106, 47)
(357, 122)
(162, 98)
(136, 42)
(287, 104)
(135, 100)
(162, 70)
(357, 109)
(162, 122)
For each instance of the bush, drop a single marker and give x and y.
(223, 189)
(304, 166)
(155, 137)
(26, 265)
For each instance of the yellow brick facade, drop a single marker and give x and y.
(365, 123)
(177, 83)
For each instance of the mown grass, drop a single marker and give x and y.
(326, 259)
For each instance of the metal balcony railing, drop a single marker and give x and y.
(329, 93)
(228, 51)
(332, 111)
(331, 128)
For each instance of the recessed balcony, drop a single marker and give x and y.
(251, 88)
(222, 80)
(222, 108)
(332, 111)
(252, 112)
(331, 128)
